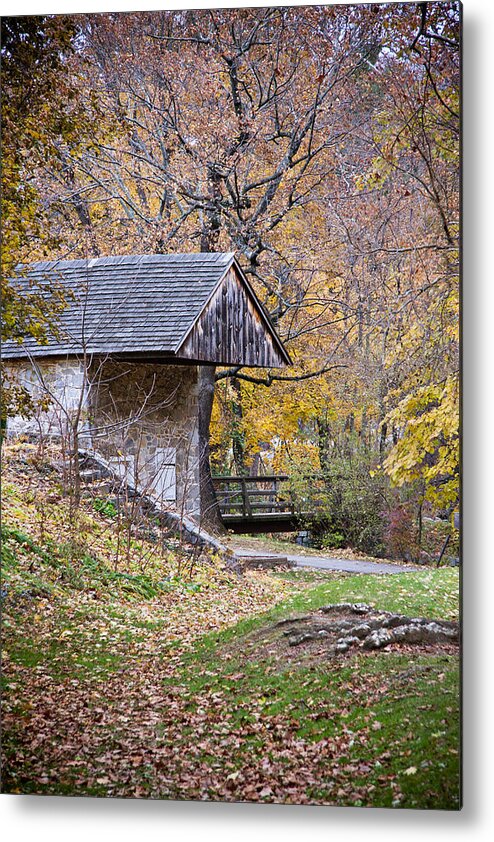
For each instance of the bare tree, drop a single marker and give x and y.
(230, 123)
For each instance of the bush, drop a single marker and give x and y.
(434, 534)
(345, 503)
(105, 507)
(332, 541)
(400, 534)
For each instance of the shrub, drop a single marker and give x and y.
(434, 534)
(105, 507)
(332, 540)
(345, 503)
(400, 534)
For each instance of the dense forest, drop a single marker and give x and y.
(320, 144)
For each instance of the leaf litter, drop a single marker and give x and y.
(98, 700)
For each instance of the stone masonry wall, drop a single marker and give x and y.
(141, 417)
(60, 380)
(144, 418)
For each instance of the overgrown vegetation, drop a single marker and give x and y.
(345, 504)
(352, 504)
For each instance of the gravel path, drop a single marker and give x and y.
(349, 566)
(328, 563)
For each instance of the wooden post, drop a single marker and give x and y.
(246, 501)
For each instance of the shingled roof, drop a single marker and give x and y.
(148, 305)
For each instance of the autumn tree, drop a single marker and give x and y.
(40, 110)
(230, 121)
(321, 144)
(418, 147)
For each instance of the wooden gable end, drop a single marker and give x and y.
(233, 330)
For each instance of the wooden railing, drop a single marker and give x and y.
(268, 503)
(251, 497)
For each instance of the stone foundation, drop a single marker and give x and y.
(60, 383)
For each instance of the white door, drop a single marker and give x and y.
(163, 484)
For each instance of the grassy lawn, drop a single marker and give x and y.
(378, 730)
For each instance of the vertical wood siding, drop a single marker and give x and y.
(231, 330)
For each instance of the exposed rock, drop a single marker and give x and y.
(300, 638)
(411, 632)
(351, 640)
(361, 631)
(348, 607)
(290, 620)
(379, 629)
(377, 639)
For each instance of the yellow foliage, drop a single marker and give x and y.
(429, 446)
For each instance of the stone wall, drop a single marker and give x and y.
(144, 421)
(62, 382)
(141, 417)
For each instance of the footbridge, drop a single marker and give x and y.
(257, 504)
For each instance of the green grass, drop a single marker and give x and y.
(29, 569)
(402, 714)
(401, 709)
(59, 659)
(427, 593)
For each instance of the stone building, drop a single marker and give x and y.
(121, 373)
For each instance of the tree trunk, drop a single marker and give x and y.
(238, 441)
(382, 437)
(323, 443)
(210, 513)
(420, 524)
